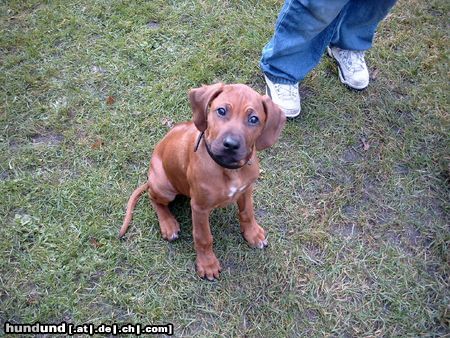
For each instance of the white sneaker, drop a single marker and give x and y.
(352, 67)
(286, 96)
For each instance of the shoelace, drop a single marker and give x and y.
(354, 60)
(285, 91)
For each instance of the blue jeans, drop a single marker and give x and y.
(305, 28)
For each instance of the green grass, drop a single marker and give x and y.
(358, 237)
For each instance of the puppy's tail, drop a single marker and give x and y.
(130, 207)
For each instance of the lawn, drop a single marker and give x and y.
(354, 196)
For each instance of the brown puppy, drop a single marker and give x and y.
(213, 161)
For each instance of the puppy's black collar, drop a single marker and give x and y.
(199, 139)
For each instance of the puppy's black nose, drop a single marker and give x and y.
(231, 143)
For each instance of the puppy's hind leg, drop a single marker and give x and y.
(161, 193)
(169, 226)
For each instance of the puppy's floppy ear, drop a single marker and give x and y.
(275, 120)
(200, 99)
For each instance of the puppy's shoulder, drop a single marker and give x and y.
(183, 127)
(181, 134)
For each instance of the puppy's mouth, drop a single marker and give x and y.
(228, 159)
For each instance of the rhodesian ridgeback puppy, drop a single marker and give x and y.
(213, 161)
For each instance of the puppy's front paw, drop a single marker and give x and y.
(208, 266)
(255, 237)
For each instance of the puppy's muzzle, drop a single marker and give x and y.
(229, 151)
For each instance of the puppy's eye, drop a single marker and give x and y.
(221, 111)
(253, 120)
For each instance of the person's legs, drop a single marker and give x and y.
(302, 32)
(356, 28)
(353, 35)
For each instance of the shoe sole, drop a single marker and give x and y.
(341, 77)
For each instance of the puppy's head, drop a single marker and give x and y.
(236, 120)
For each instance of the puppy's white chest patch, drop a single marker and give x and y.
(234, 189)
